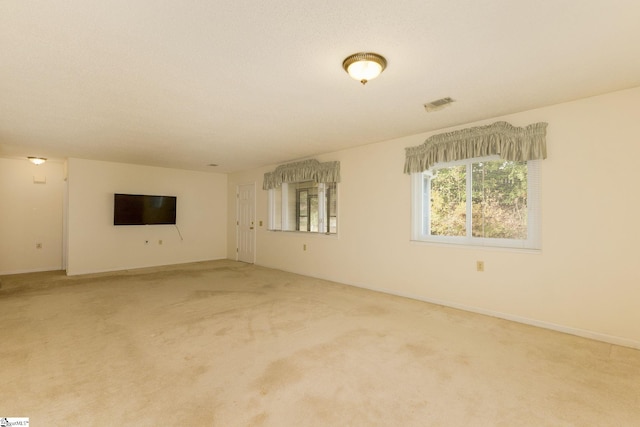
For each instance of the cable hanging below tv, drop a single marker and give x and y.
(138, 209)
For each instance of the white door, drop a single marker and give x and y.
(246, 222)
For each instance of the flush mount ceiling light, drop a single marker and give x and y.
(364, 66)
(37, 160)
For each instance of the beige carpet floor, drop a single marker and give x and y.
(229, 344)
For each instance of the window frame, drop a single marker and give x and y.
(324, 218)
(419, 199)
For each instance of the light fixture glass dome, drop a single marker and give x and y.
(37, 160)
(364, 66)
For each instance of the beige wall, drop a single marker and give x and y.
(30, 213)
(583, 281)
(95, 244)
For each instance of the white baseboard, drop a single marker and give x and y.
(610, 339)
(598, 336)
(116, 269)
(31, 270)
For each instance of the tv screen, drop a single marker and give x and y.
(136, 209)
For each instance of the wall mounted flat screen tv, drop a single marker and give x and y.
(137, 209)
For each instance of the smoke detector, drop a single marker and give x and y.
(438, 104)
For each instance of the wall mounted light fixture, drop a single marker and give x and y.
(364, 66)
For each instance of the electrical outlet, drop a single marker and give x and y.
(38, 245)
(480, 266)
(160, 241)
(304, 247)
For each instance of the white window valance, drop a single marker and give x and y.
(306, 170)
(500, 138)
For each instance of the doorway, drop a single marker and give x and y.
(245, 222)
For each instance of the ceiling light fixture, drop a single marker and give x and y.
(364, 66)
(37, 160)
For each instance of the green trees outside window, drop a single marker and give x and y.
(498, 200)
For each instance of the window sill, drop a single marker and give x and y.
(477, 247)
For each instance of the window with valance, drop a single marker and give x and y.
(303, 196)
(478, 186)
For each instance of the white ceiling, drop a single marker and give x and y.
(249, 83)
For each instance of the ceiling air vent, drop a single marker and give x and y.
(438, 104)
